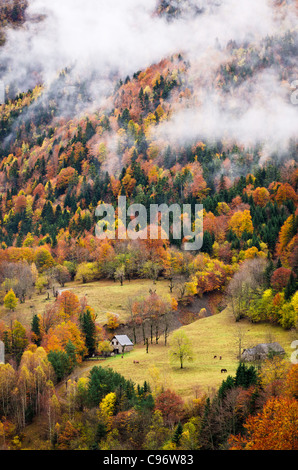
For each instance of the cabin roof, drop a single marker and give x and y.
(123, 340)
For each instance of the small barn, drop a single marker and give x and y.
(121, 344)
(2, 355)
(262, 351)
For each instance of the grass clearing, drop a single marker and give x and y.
(216, 335)
(24, 312)
(109, 296)
(102, 296)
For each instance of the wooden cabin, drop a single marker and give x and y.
(121, 344)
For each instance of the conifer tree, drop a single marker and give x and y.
(89, 330)
(177, 434)
(291, 287)
(35, 328)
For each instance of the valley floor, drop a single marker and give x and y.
(217, 335)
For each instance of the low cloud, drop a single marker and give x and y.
(99, 41)
(258, 113)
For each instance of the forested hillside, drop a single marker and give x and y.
(172, 102)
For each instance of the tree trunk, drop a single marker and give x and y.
(156, 334)
(166, 334)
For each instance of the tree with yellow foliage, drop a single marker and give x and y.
(107, 409)
(241, 222)
(11, 301)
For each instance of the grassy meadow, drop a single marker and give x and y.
(102, 296)
(217, 335)
(110, 296)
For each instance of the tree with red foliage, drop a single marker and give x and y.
(170, 405)
(66, 437)
(280, 278)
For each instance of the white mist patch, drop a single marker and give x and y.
(125, 36)
(99, 40)
(259, 112)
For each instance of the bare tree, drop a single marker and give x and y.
(245, 285)
(240, 335)
(180, 285)
(130, 309)
(60, 274)
(19, 277)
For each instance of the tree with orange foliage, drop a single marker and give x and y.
(60, 335)
(115, 186)
(40, 190)
(20, 203)
(67, 177)
(216, 225)
(287, 232)
(274, 428)
(128, 183)
(291, 382)
(212, 275)
(68, 305)
(284, 193)
(261, 196)
(155, 249)
(112, 321)
(105, 258)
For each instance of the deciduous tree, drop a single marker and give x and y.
(181, 348)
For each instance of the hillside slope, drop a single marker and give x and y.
(216, 335)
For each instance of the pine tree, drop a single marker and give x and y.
(70, 350)
(245, 376)
(7, 340)
(35, 328)
(177, 434)
(146, 387)
(268, 273)
(101, 431)
(207, 243)
(226, 385)
(89, 330)
(291, 287)
(61, 364)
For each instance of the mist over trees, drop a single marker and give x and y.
(168, 102)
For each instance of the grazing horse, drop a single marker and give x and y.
(223, 370)
(215, 357)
